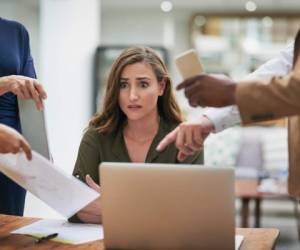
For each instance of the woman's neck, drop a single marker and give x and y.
(142, 129)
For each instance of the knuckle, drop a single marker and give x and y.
(15, 149)
(179, 144)
(183, 125)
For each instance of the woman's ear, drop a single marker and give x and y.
(162, 86)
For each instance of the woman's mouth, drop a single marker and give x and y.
(134, 106)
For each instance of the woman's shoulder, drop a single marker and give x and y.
(11, 24)
(92, 134)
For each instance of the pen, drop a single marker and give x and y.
(48, 237)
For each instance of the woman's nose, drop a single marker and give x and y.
(133, 95)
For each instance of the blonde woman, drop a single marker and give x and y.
(138, 111)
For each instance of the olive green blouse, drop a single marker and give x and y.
(96, 148)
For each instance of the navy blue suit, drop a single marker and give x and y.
(15, 59)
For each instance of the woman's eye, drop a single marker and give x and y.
(123, 85)
(144, 84)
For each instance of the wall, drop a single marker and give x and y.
(69, 40)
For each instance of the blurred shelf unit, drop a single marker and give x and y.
(237, 43)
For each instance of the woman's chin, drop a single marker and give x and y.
(134, 117)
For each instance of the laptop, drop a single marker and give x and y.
(167, 206)
(33, 126)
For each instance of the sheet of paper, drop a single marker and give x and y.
(71, 233)
(63, 192)
(238, 241)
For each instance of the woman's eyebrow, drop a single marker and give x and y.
(143, 78)
(138, 78)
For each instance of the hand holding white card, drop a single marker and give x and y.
(63, 192)
(189, 64)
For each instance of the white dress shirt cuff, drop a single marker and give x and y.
(223, 118)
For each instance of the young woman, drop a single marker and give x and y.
(138, 111)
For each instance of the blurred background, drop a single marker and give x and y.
(73, 43)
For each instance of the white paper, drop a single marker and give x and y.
(64, 193)
(75, 233)
(72, 233)
(238, 241)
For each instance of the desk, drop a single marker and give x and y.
(246, 190)
(255, 239)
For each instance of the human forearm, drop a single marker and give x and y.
(90, 217)
(209, 90)
(223, 118)
(12, 142)
(23, 87)
(278, 98)
(92, 213)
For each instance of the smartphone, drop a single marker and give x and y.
(188, 64)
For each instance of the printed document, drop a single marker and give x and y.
(64, 193)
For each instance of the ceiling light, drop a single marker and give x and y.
(267, 21)
(250, 6)
(166, 6)
(200, 20)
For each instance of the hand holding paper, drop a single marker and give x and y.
(63, 192)
(92, 213)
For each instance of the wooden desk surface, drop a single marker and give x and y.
(255, 239)
(245, 188)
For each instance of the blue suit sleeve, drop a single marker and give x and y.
(28, 65)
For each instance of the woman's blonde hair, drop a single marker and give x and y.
(111, 116)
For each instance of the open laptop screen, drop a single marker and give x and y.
(167, 206)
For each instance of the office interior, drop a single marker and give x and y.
(73, 43)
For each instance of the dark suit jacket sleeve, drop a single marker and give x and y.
(27, 66)
(261, 101)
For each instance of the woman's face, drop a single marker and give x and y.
(139, 91)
